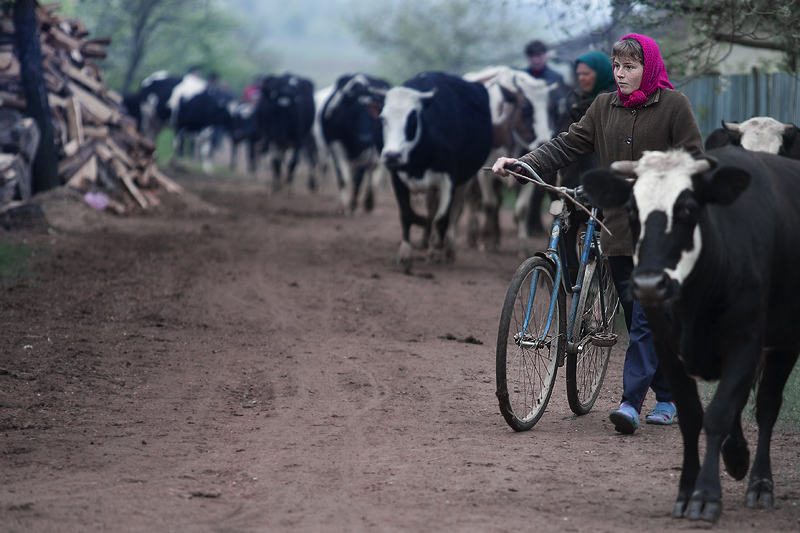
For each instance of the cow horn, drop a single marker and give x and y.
(378, 92)
(429, 94)
(333, 102)
(624, 167)
(731, 126)
(787, 127)
(704, 163)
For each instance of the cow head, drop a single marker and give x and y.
(357, 101)
(401, 118)
(537, 92)
(665, 205)
(760, 134)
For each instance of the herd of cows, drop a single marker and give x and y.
(717, 235)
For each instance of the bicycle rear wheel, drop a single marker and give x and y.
(586, 369)
(528, 350)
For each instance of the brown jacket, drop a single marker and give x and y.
(616, 133)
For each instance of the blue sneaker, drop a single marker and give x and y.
(625, 419)
(663, 414)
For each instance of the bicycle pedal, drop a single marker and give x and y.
(604, 340)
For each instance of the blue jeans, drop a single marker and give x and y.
(640, 371)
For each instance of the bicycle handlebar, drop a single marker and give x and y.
(576, 193)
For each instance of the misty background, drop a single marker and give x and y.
(320, 39)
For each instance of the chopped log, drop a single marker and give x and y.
(102, 111)
(134, 190)
(12, 100)
(85, 175)
(68, 166)
(167, 183)
(75, 120)
(96, 132)
(84, 79)
(120, 153)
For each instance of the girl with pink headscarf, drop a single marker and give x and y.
(644, 114)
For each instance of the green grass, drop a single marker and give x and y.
(13, 261)
(164, 145)
(789, 417)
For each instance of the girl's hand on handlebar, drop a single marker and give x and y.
(500, 165)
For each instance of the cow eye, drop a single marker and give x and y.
(411, 127)
(687, 211)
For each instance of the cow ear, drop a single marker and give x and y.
(789, 133)
(606, 190)
(724, 186)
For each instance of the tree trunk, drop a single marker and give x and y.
(29, 52)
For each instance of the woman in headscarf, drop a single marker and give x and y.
(595, 75)
(644, 113)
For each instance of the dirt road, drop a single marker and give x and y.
(240, 361)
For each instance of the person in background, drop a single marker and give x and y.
(252, 93)
(536, 52)
(595, 75)
(644, 113)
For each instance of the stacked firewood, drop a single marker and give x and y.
(99, 147)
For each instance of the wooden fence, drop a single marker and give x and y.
(738, 97)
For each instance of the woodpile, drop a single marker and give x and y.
(98, 144)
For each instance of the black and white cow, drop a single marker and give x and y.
(154, 111)
(352, 132)
(519, 105)
(715, 270)
(196, 111)
(760, 134)
(437, 134)
(284, 118)
(186, 105)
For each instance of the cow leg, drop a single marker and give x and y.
(344, 177)
(205, 143)
(687, 401)
(275, 156)
(777, 367)
(407, 218)
(310, 148)
(491, 194)
(735, 453)
(443, 233)
(369, 191)
(473, 203)
(292, 164)
(734, 386)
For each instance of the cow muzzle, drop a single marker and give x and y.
(391, 159)
(652, 287)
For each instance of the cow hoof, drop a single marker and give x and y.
(700, 509)
(679, 511)
(759, 494)
(736, 457)
(369, 203)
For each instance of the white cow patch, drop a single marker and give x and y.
(662, 177)
(400, 103)
(189, 87)
(760, 134)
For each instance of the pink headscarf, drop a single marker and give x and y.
(654, 76)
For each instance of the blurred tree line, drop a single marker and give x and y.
(173, 35)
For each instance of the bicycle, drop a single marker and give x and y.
(536, 336)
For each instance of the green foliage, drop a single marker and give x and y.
(172, 35)
(453, 36)
(699, 34)
(13, 260)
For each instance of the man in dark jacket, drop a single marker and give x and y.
(536, 52)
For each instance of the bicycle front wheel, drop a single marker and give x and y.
(529, 345)
(593, 333)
